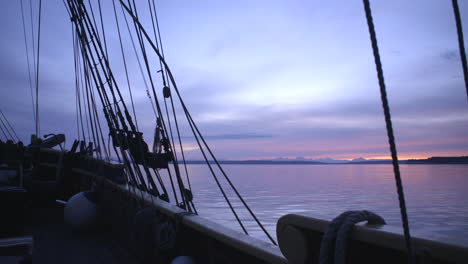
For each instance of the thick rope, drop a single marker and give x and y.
(333, 248)
(391, 138)
(461, 43)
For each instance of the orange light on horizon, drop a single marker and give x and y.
(346, 157)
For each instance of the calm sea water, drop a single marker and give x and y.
(436, 195)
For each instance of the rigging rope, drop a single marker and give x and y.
(86, 26)
(3, 132)
(160, 114)
(139, 63)
(27, 60)
(98, 122)
(461, 43)
(79, 83)
(108, 112)
(37, 68)
(7, 130)
(31, 19)
(185, 203)
(165, 78)
(102, 28)
(218, 183)
(158, 177)
(180, 145)
(9, 125)
(125, 64)
(391, 138)
(191, 122)
(88, 110)
(91, 48)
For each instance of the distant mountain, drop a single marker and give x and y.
(302, 159)
(305, 161)
(440, 160)
(331, 161)
(260, 162)
(281, 159)
(360, 159)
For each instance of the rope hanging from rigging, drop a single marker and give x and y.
(8, 127)
(171, 150)
(166, 89)
(124, 134)
(195, 129)
(4, 128)
(27, 60)
(38, 130)
(122, 130)
(461, 43)
(3, 132)
(391, 137)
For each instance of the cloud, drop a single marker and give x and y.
(450, 55)
(277, 82)
(235, 136)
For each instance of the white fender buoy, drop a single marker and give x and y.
(80, 212)
(183, 260)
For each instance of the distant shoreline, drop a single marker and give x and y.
(429, 161)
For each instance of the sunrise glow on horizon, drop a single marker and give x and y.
(350, 157)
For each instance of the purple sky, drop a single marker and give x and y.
(270, 79)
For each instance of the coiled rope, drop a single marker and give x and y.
(334, 243)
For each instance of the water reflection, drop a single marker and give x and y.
(437, 195)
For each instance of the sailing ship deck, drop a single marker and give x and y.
(54, 242)
(207, 242)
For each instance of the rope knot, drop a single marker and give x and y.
(334, 241)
